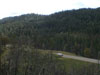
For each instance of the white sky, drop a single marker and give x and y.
(17, 7)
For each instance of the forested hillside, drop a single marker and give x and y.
(76, 31)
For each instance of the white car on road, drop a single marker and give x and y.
(59, 54)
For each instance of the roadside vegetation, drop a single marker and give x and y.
(25, 60)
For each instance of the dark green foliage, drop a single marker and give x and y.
(71, 31)
(27, 61)
(86, 70)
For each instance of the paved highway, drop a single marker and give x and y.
(82, 58)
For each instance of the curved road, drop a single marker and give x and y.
(82, 58)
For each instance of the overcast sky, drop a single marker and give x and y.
(17, 7)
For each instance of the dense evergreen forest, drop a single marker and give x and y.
(76, 31)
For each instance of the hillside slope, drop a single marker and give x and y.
(76, 31)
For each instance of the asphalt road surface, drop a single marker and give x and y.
(82, 59)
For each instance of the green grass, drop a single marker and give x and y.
(63, 52)
(71, 63)
(55, 51)
(67, 62)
